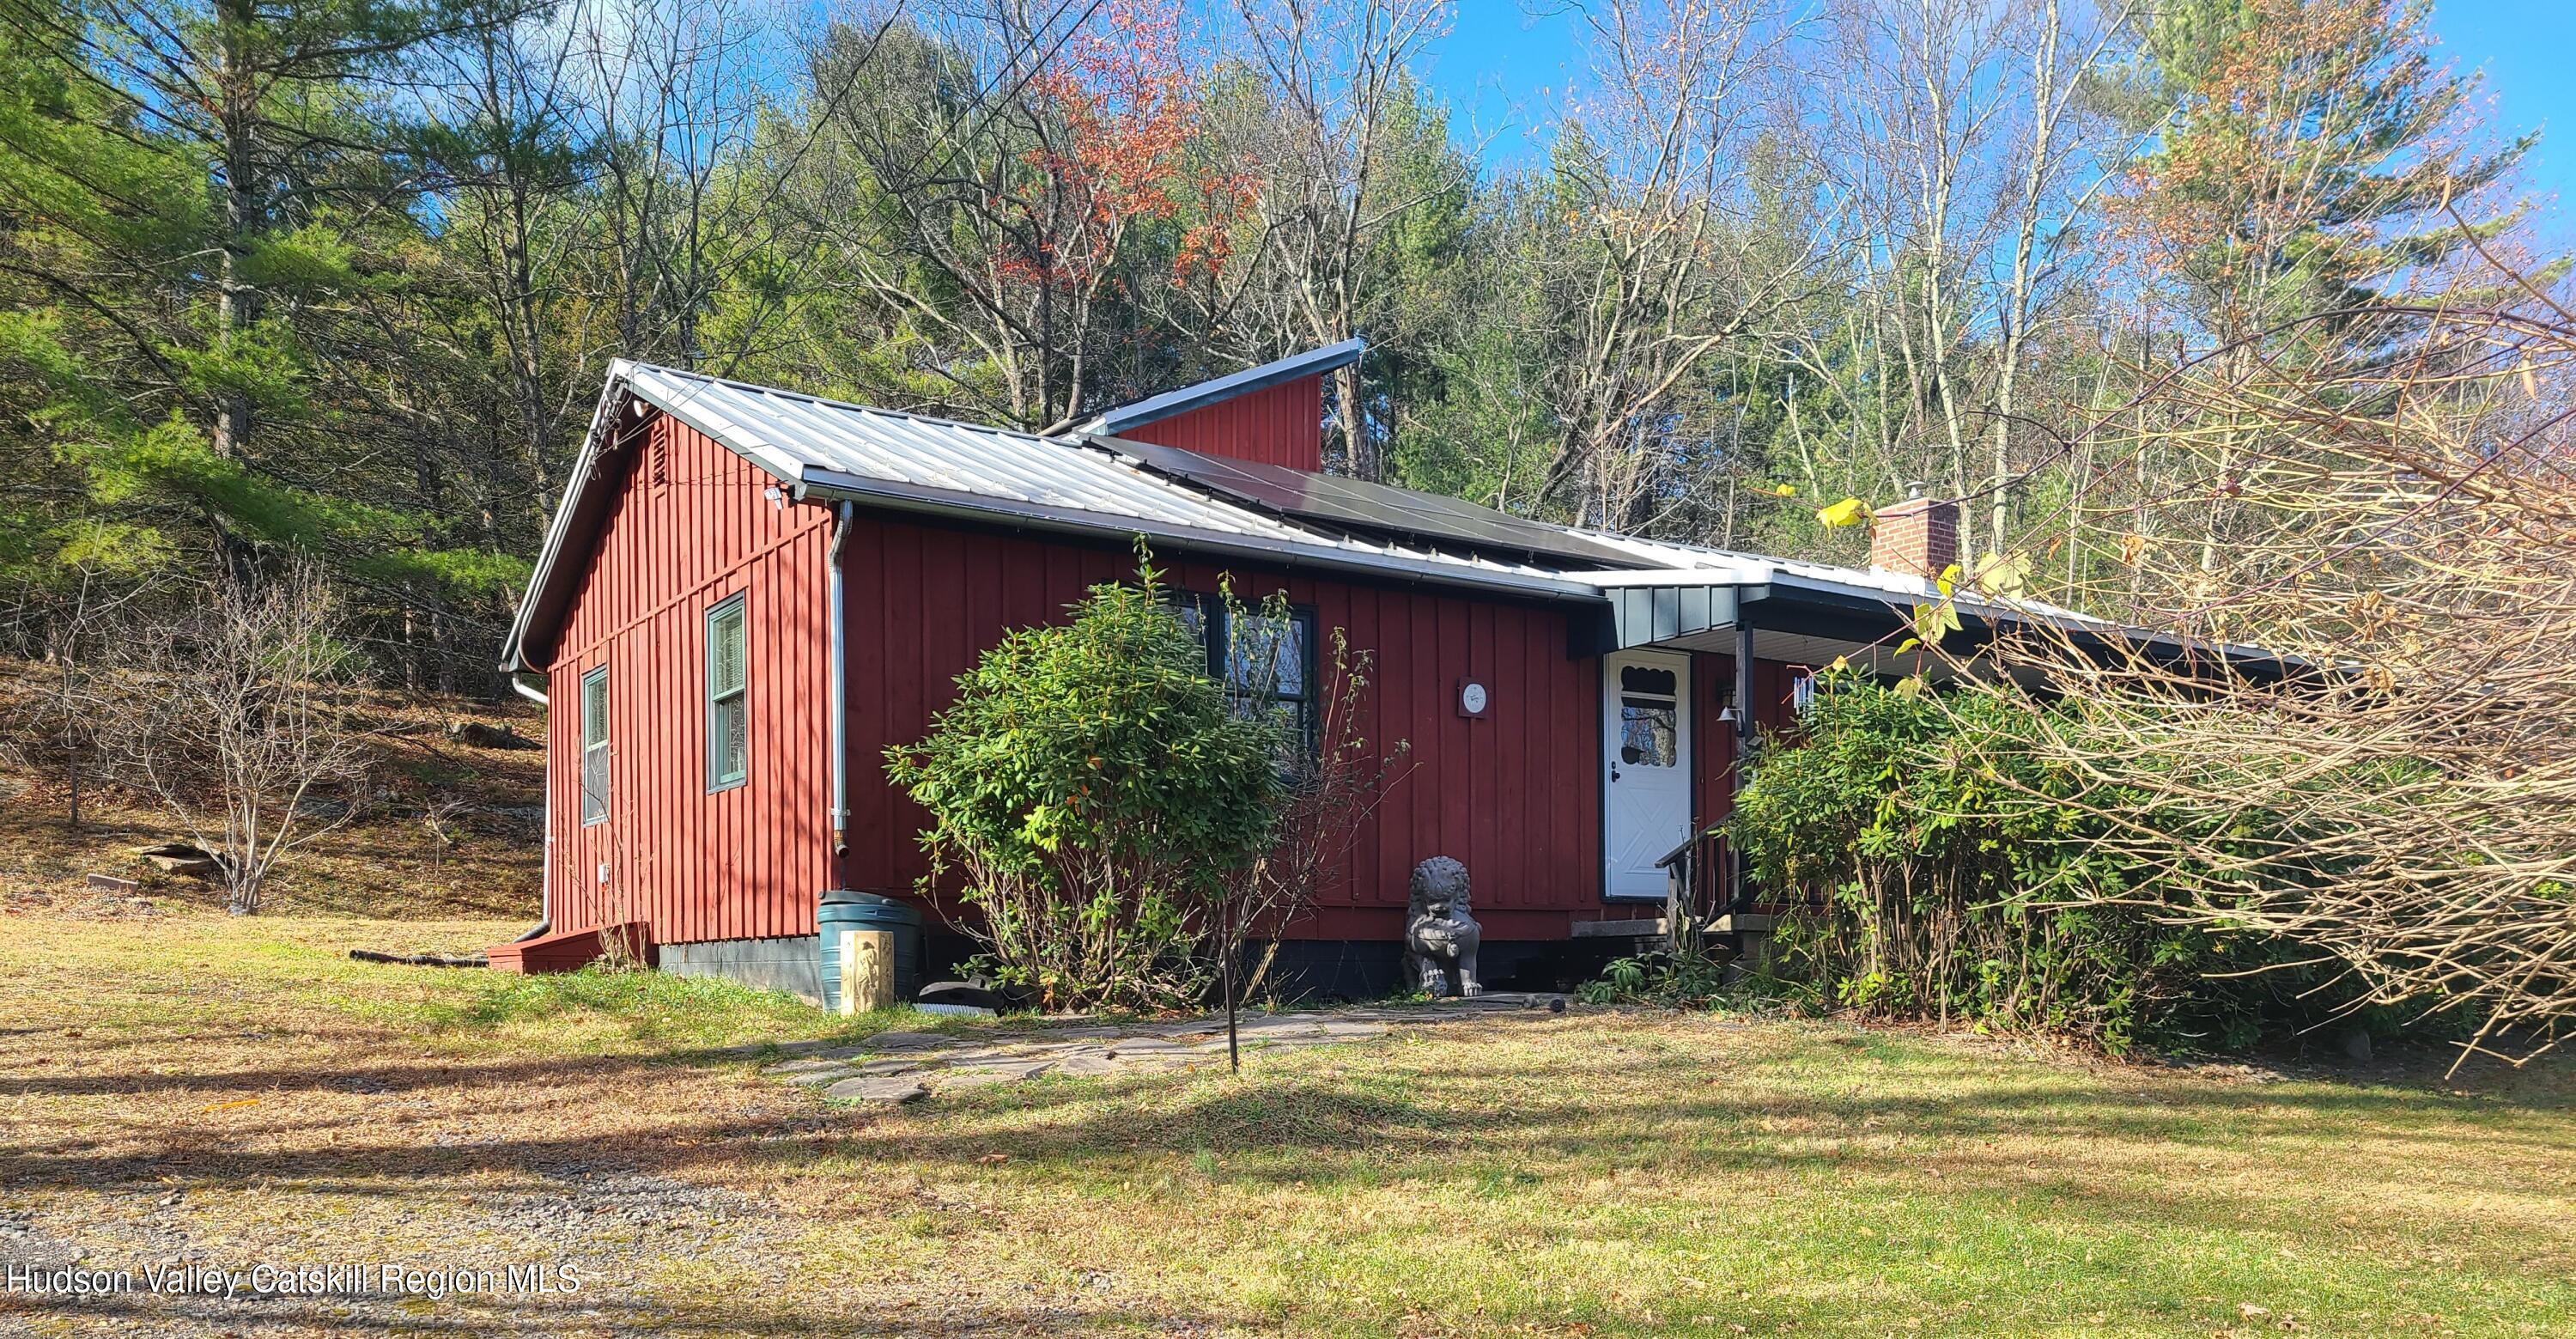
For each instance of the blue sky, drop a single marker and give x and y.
(1507, 56)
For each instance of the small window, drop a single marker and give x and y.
(1260, 657)
(1268, 657)
(1639, 679)
(1649, 733)
(728, 722)
(594, 746)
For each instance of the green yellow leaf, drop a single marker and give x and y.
(1848, 512)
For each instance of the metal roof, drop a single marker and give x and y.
(909, 462)
(824, 449)
(1187, 398)
(798, 437)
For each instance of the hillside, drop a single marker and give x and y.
(445, 829)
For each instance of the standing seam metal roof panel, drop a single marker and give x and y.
(799, 437)
(792, 432)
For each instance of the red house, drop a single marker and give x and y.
(748, 594)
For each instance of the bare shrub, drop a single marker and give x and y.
(2396, 796)
(1328, 795)
(442, 822)
(229, 721)
(54, 726)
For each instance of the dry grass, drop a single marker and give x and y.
(234, 1087)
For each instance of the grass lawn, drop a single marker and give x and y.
(240, 1091)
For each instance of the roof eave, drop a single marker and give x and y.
(620, 387)
(540, 579)
(1170, 404)
(897, 496)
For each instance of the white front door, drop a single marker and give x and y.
(1646, 727)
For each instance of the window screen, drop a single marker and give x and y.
(728, 721)
(594, 746)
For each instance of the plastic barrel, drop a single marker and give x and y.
(845, 910)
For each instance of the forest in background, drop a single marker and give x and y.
(334, 283)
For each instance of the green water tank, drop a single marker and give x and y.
(846, 910)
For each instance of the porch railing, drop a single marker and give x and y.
(1699, 881)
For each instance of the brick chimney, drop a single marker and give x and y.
(1918, 537)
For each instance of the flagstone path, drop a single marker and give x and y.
(893, 1067)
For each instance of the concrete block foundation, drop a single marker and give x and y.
(789, 963)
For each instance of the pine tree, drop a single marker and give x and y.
(2310, 164)
(214, 223)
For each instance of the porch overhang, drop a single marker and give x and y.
(1660, 613)
(1785, 620)
(1795, 619)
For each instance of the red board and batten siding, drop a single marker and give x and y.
(744, 863)
(1713, 740)
(1515, 795)
(1276, 425)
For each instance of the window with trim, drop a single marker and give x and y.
(1259, 656)
(594, 746)
(728, 720)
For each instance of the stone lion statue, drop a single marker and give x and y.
(1439, 932)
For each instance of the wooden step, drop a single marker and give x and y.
(571, 950)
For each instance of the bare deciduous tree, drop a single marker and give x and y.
(62, 718)
(1337, 76)
(229, 720)
(2402, 803)
(1962, 144)
(1670, 251)
(1331, 793)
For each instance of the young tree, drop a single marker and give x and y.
(230, 720)
(1330, 782)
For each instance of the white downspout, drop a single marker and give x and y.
(546, 865)
(839, 697)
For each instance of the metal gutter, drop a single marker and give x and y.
(898, 496)
(1330, 358)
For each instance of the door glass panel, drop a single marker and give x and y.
(1642, 679)
(1647, 732)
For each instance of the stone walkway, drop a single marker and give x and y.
(904, 1066)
